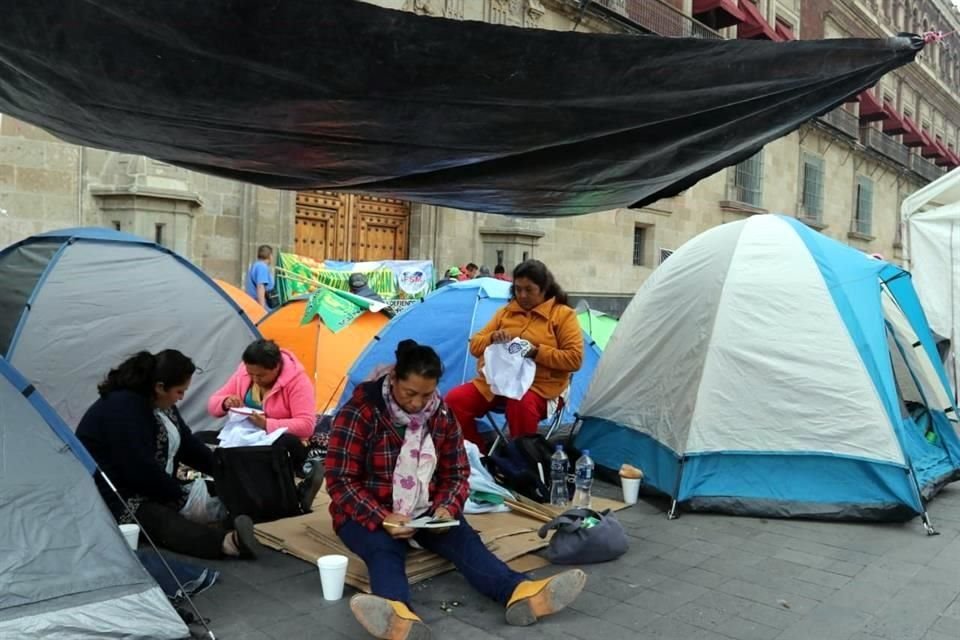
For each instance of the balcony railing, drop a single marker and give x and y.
(923, 167)
(885, 145)
(658, 17)
(843, 121)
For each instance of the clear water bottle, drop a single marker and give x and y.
(558, 478)
(584, 479)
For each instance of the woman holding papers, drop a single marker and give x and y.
(549, 335)
(138, 438)
(395, 456)
(272, 382)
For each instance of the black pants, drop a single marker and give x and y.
(172, 531)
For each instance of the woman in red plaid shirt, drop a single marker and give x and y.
(396, 453)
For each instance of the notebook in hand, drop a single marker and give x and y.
(427, 522)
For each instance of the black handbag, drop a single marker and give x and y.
(585, 536)
(256, 482)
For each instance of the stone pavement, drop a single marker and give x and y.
(700, 577)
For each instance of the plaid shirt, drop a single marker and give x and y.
(363, 452)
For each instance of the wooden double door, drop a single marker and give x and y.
(340, 226)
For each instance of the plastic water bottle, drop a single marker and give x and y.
(558, 478)
(584, 479)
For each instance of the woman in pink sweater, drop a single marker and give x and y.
(272, 380)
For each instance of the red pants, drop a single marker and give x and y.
(468, 404)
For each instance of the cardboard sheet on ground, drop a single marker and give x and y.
(512, 537)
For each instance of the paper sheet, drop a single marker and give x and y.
(241, 432)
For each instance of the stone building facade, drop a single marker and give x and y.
(48, 184)
(845, 173)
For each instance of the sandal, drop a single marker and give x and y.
(245, 538)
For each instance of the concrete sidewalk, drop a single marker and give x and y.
(700, 577)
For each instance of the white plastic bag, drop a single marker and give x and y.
(481, 480)
(200, 506)
(507, 369)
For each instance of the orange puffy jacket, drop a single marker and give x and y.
(552, 328)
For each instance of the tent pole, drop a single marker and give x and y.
(924, 516)
(672, 513)
(153, 546)
(927, 525)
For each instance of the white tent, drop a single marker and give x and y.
(756, 373)
(931, 220)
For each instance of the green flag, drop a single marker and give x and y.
(337, 309)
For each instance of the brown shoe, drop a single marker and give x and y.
(534, 599)
(388, 619)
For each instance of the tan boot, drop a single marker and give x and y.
(388, 619)
(534, 599)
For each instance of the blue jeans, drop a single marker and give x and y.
(385, 558)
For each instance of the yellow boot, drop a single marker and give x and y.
(388, 619)
(534, 599)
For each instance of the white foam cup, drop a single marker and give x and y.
(631, 489)
(131, 533)
(333, 573)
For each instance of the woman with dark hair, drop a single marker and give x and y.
(396, 453)
(273, 381)
(538, 313)
(138, 439)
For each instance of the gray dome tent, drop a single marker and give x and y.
(76, 302)
(66, 571)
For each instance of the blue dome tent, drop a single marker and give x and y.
(445, 320)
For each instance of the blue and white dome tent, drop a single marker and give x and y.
(765, 369)
(67, 571)
(77, 302)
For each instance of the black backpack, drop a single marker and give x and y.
(256, 482)
(514, 465)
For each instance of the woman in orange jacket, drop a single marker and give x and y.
(538, 313)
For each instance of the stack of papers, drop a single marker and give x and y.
(241, 432)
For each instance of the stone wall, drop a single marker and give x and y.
(48, 184)
(39, 178)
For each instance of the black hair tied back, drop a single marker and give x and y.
(417, 359)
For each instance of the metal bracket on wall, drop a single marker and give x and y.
(847, 157)
(823, 149)
(858, 162)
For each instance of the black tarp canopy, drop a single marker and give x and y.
(343, 95)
